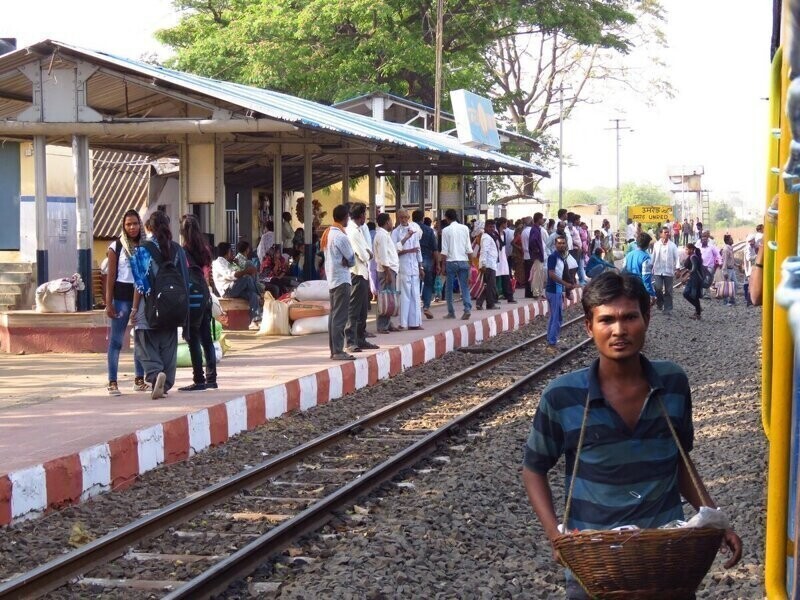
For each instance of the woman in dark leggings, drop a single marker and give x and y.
(199, 256)
(693, 290)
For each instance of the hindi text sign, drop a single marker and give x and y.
(650, 214)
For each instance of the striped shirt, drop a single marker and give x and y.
(624, 477)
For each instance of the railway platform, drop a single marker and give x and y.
(65, 440)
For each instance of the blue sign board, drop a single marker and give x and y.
(475, 120)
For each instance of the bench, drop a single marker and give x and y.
(237, 314)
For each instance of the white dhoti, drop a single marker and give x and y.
(410, 311)
(537, 278)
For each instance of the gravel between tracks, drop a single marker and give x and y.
(27, 543)
(465, 530)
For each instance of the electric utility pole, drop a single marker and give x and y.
(437, 101)
(617, 128)
(561, 144)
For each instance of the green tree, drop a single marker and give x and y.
(329, 50)
(722, 215)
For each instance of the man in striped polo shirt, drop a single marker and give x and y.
(630, 471)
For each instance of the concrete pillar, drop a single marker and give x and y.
(40, 180)
(183, 180)
(421, 191)
(373, 205)
(80, 157)
(277, 196)
(308, 217)
(346, 180)
(220, 225)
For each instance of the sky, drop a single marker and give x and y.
(718, 64)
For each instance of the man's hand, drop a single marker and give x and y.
(731, 544)
(251, 270)
(110, 312)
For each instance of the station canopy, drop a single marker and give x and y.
(133, 106)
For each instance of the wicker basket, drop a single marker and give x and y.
(639, 564)
(667, 564)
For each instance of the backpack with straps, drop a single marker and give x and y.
(199, 294)
(167, 304)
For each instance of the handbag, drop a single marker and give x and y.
(724, 289)
(388, 303)
(476, 284)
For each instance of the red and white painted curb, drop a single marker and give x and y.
(29, 492)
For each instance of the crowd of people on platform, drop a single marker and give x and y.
(407, 264)
(162, 287)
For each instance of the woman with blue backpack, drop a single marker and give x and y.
(160, 303)
(199, 259)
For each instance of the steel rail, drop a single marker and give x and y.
(58, 571)
(241, 563)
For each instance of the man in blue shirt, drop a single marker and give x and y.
(429, 246)
(554, 290)
(630, 471)
(639, 262)
(339, 258)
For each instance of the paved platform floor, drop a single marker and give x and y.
(52, 405)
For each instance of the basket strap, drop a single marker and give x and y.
(686, 460)
(577, 459)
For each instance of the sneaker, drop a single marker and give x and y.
(140, 385)
(466, 316)
(211, 385)
(552, 349)
(428, 314)
(158, 388)
(449, 316)
(254, 326)
(195, 387)
(113, 389)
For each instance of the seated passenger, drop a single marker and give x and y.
(597, 265)
(232, 282)
(244, 257)
(274, 272)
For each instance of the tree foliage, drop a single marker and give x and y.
(329, 50)
(630, 194)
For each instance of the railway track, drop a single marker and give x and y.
(295, 492)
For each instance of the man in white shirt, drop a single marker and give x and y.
(411, 271)
(630, 231)
(487, 263)
(360, 293)
(233, 282)
(388, 265)
(665, 259)
(505, 237)
(339, 259)
(456, 252)
(266, 242)
(525, 238)
(287, 232)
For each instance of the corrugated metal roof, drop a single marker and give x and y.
(411, 105)
(289, 109)
(120, 181)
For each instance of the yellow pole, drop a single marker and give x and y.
(769, 236)
(782, 370)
